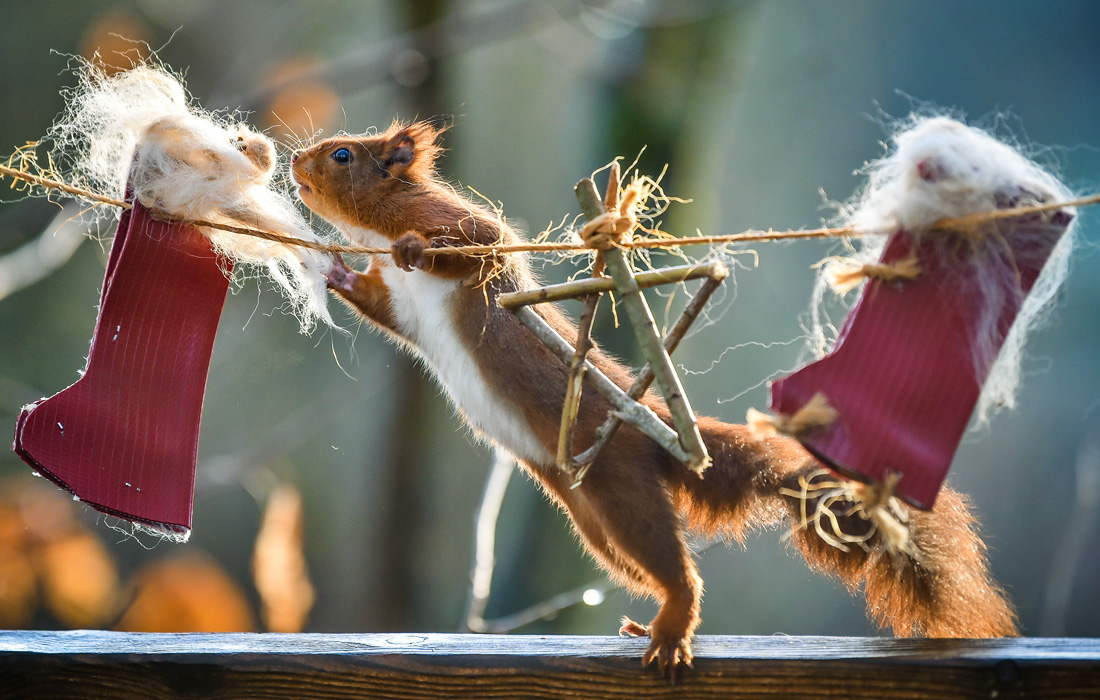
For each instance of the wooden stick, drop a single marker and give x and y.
(595, 285)
(627, 408)
(576, 385)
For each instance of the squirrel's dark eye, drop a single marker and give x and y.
(342, 156)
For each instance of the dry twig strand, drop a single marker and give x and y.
(814, 415)
(849, 276)
(874, 503)
(55, 185)
(749, 236)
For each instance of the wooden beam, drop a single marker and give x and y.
(127, 666)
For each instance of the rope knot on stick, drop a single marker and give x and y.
(608, 230)
(616, 225)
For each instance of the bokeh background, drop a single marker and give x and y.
(342, 452)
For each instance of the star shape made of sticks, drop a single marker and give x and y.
(608, 219)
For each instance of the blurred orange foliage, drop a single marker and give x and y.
(45, 554)
(300, 108)
(48, 557)
(186, 593)
(278, 564)
(79, 580)
(115, 42)
(18, 590)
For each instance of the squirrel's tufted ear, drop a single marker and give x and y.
(400, 149)
(412, 148)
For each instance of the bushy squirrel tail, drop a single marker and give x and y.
(923, 573)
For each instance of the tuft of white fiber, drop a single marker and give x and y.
(139, 129)
(940, 168)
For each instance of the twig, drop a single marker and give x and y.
(596, 285)
(96, 198)
(575, 386)
(1067, 558)
(481, 577)
(38, 258)
(56, 185)
(971, 220)
(551, 607)
(546, 609)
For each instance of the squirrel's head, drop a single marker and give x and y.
(345, 177)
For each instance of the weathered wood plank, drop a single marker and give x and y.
(127, 666)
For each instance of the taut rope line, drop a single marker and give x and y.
(743, 237)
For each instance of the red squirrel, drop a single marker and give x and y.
(635, 504)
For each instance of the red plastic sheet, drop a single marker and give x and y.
(124, 437)
(901, 376)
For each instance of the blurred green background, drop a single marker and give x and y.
(762, 110)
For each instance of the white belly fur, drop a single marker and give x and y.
(421, 305)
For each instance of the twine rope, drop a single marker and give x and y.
(749, 236)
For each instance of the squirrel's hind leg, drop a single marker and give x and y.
(636, 517)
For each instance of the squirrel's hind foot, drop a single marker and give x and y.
(669, 651)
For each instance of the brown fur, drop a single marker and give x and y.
(632, 507)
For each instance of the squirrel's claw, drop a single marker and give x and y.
(408, 251)
(669, 653)
(669, 656)
(340, 277)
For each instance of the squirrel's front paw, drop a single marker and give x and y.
(408, 251)
(341, 277)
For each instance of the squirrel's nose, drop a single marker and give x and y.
(294, 156)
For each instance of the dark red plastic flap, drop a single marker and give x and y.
(902, 376)
(124, 437)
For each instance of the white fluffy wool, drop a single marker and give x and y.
(139, 129)
(938, 168)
